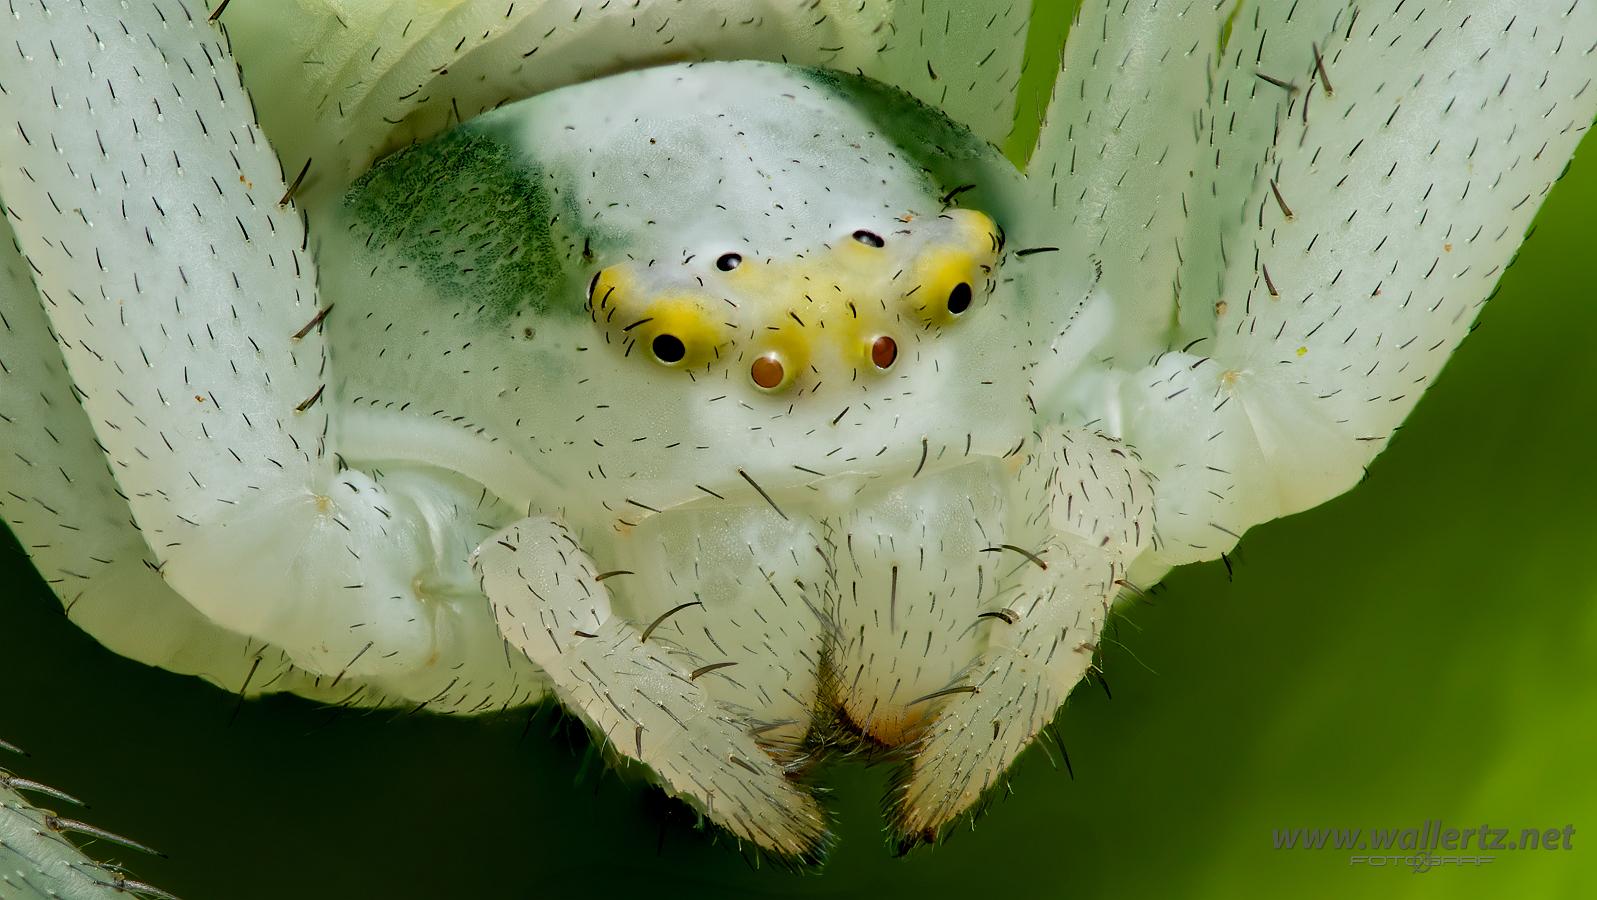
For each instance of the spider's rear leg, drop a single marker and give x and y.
(640, 690)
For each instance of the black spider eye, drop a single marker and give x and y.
(728, 262)
(668, 348)
(959, 298)
(869, 238)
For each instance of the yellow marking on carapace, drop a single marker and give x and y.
(684, 317)
(810, 311)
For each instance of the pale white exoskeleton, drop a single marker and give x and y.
(735, 402)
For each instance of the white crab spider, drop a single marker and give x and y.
(1262, 257)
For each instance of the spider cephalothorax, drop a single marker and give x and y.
(680, 279)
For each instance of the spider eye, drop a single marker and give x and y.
(668, 349)
(884, 352)
(673, 328)
(956, 270)
(959, 298)
(728, 261)
(868, 238)
(768, 373)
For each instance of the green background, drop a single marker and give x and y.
(1424, 647)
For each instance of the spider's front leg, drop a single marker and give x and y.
(1092, 510)
(177, 278)
(1367, 175)
(652, 698)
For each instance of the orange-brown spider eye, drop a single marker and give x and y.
(767, 372)
(884, 351)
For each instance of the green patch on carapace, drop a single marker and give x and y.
(476, 220)
(958, 164)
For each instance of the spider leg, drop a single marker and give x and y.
(174, 272)
(38, 859)
(1390, 195)
(1094, 514)
(639, 690)
(63, 505)
(1280, 282)
(386, 75)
